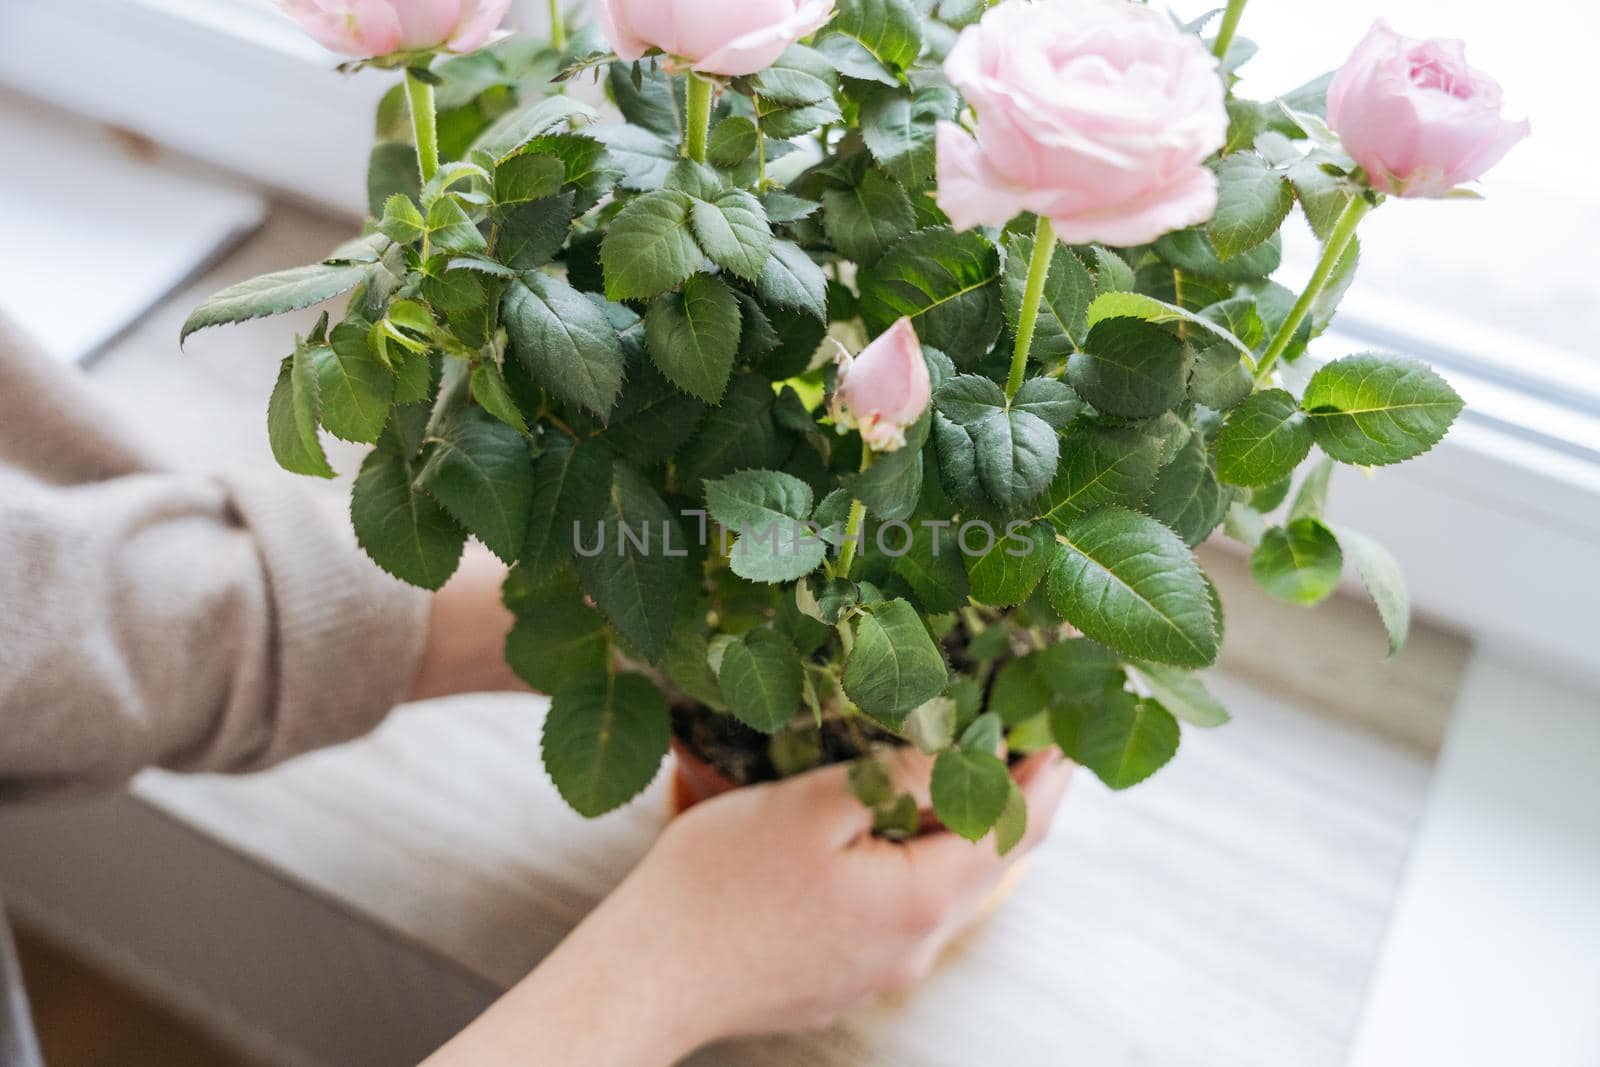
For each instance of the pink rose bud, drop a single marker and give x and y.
(1415, 116)
(727, 37)
(883, 390)
(1097, 114)
(377, 27)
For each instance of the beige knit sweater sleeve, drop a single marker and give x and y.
(156, 618)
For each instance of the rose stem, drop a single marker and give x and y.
(1338, 241)
(558, 27)
(852, 524)
(419, 94)
(1230, 23)
(1044, 247)
(699, 108)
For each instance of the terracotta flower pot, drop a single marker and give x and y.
(694, 780)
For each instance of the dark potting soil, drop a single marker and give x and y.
(741, 753)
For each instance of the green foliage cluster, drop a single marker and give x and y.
(572, 331)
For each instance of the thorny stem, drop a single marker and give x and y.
(1344, 232)
(1044, 247)
(419, 94)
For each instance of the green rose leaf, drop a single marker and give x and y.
(948, 283)
(791, 279)
(604, 739)
(738, 433)
(532, 234)
(641, 159)
(734, 232)
(1187, 496)
(1299, 562)
(634, 574)
(451, 229)
(1101, 467)
(569, 488)
(274, 294)
(1374, 410)
(1183, 694)
(760, 678)
(402, 528)
(650, 246)
(526, 178)
(970, 791)
(768, 510)
(391, 171)
(1127, 581)
(687, 663)
(1385, 582)
(1127, 305)
(864, 219)
(564, 340)
(494, 396)
(1253, 199)
(1126, 739)
(1064, 311)
(1007, 573)
(894, 665)
(557, 644)
(732, 141)
(354, 387)
(402, 222)
(932, 567)
(693, 336)
(874, 40)
(891, 487)
(515, 129)
(652, 417)
(480, 470)
(1012, 825)
(992, 453)
(899, 130)
(798, 77)
(1019, 691)
(1191, 251)
(1263, 440)
(1220, 380)
(1131, 368)
(293, 413)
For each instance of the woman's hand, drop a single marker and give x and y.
(770, 908)
(467, 627)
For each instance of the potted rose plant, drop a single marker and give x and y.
(871, 379)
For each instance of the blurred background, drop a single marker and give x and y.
(1399, 863)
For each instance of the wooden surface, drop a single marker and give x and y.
(1226, 913)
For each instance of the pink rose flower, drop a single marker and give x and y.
(377, 27)
(1097, 114)
(883, 390)
(1415, 116)
(727, 37)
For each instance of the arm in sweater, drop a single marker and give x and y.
(190, 621)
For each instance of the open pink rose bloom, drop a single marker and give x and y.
(1097, 114)
(726, 37)
(378, 27)
(1416, 117)
(885, 389)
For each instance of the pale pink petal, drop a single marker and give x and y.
(886, 388)
(350, 27)
(757, 49)
(1189, 201)
(478, 24)
(1416, 117)
(969, 190)
(426, 23)
(624, 42)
